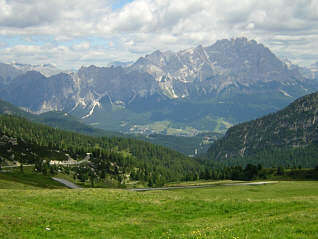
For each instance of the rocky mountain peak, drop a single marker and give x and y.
(218, 77)
(234, 43)
(45, 69)
(248, 61)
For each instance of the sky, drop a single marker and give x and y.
(73, 33)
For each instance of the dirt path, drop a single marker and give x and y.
(202, 186)
(67, 183)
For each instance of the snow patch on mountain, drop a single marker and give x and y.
(167, 89)
(48, 106)
(285, 93)
(95, 104)
(80, 102)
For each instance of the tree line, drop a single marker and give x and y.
(118, 158)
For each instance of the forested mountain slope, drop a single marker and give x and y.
(27, 142)
(56, 119)
(287, 137)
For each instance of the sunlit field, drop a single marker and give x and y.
(283, 210)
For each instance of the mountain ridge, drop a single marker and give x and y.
(230, 81)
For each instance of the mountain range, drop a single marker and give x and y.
(184, 93)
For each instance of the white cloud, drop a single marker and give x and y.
(290, 28)
(81, 46)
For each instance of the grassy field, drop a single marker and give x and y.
(13, 179)
(284, 210)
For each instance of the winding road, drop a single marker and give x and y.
(74, 186)
(67, 183)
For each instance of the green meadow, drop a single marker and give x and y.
(14, 179)
(288, 210)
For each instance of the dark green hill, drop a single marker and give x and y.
(9, 109)
(27, 142)
(288, 137)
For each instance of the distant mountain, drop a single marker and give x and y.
(315, 65)
(306, 72)
(228, 63)
(288, 137)
(181, 93)
(45, 69)
(228, 82)
(8, 73)
(35, 92)
(120, 63)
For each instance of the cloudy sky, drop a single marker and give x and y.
(71, 33)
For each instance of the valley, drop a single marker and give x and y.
(152, 119)
(217, 123)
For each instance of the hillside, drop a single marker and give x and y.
(123, 159)
(16, 180)
(288, 137)
(56, 119)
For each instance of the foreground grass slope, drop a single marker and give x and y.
(284, 210)
(14, 179)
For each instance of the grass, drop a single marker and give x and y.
(14, 179)
(201, 182)
(284, 210)
(222, 126)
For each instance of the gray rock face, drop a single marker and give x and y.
(227, 63)
(114, 82)
(38, 93)
(235, 79)
(8, 73)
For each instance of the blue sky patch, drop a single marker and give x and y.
(120, 3)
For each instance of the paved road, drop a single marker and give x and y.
(74, 186)
(202, 186)
(16, 166)
(67, 183)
